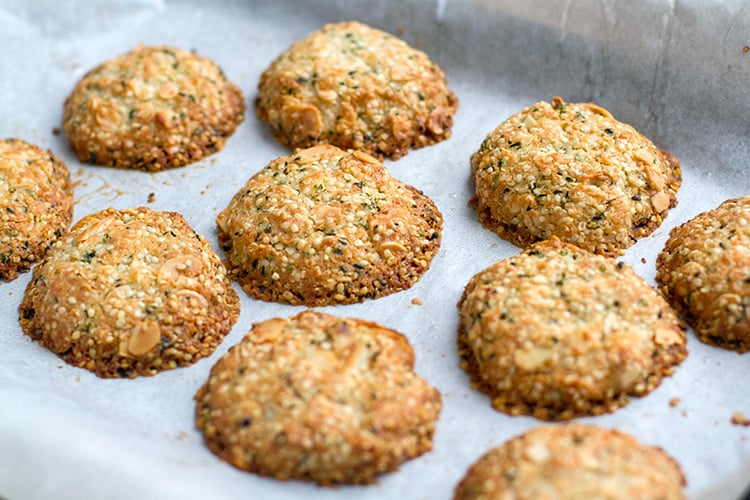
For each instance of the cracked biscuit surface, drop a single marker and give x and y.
(152, 108)
(704, 271)
(130, 292)
(573, 462)
(356, 87)
(324, 226)
(557, 332)
(574, 172)
(36, 204)
(318, 398)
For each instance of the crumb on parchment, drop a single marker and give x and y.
(739, 418)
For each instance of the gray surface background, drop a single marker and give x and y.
(677, 71)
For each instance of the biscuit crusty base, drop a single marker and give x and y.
(318, 398)
(574, 172)
(573, 462)
(356, 87)
(130, 292)
(704, 271)
(557, 332)
(36, 204)
(152, 109)
(324, 226)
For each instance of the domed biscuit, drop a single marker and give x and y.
(572, 462)
(130, 292)
(574, 172)
(36, 204)
(557, 332)
(152, 108)
(324, 226)
(704, 271)
(318, 398)
(356, 87)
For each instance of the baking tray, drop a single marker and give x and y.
(677, 71)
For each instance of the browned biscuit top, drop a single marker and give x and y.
(704, 270)
(557, 332)
(358, 88)
(36, 204)
(152, 108)
(130, 292)
(574, 172)
(324, 226)
(573, 462)
(318, 398)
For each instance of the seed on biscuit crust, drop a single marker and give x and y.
(130, 292)
(324, 226)
(572, 462)
(318, 398)
(704, 271)
(36, 204)
(558, 332)
(152, 108)
(356, 87)
(574, 172)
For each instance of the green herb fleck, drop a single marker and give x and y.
(87, 256)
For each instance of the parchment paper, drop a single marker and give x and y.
(677, 71)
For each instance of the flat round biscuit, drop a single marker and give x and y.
(36, 204)
(704, 271)
(574, 172)
(356, 87)
(152, 108)
(572, 462)
(130, 292)
(318, 398)
(324, 226)
(557, 332)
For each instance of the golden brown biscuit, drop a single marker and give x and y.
(324, 226)
(704, 271)
(151, 109)
(356, 87)
(130, 292)
(36, 204)
(318, 398)
(574, 172)
(573, 462)
(557, 332)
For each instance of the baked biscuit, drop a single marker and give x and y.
(574, 172)
(704, 271)
(557, 332)
(318, 398)
(151, 109)
(324, 226)
(573, 462)
(356, 87)
(130, 292)
(36, 204)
